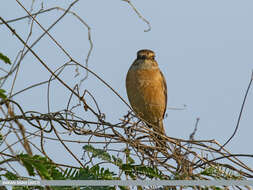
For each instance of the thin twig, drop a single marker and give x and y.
(139, 15)
(240, 114)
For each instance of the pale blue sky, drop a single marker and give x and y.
(204, 48)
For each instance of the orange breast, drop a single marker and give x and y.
(146, 93)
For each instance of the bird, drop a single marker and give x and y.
(147, 92)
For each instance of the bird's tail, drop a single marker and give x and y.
(157, 137)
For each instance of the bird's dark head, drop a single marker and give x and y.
(145, 54)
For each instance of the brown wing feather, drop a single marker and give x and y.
(165, 93)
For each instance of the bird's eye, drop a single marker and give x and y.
(141, 57)
(153, 57)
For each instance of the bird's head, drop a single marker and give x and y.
(145, 54)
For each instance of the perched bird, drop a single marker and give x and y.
(147, 92)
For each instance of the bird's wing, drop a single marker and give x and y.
(165, 93)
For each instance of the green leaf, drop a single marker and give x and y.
(20, 188)
(134, 170)
(10, 176)
(130, 160)
(2, 95)
(42, 165)
(123, 188)
(1, 138)
(117, 161)
(98, 153)
(84, 174)
(5, 58)
(218, 172)
(26, 160)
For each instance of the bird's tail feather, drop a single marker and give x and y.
(157, 137)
